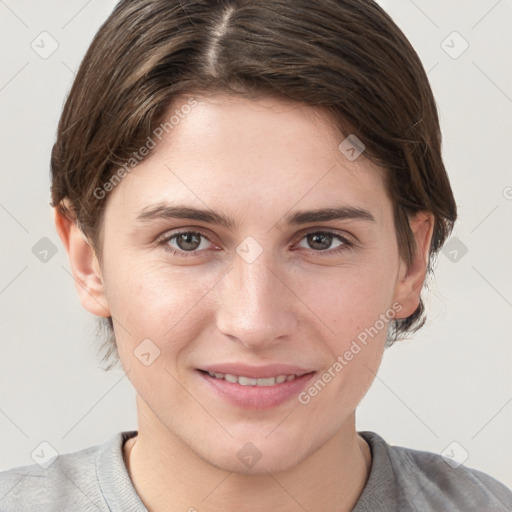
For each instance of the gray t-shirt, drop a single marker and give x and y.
(96, 479)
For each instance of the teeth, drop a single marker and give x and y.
(269, 381)
(248, 381)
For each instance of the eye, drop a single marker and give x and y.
(191, 243)
(321, 241)
(186, 242)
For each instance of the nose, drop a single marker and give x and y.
(255, 306)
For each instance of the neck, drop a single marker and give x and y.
(169, 476)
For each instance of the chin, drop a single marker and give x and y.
(257, 457)
(275, 463)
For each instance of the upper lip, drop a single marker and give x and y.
(256, 372)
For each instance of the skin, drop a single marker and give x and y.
(295, 303)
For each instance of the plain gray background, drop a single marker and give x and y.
(451, 383)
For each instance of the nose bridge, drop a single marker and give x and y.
(254, 305)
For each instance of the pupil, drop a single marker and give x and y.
(319, 240)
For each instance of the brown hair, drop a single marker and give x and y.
(346, 57)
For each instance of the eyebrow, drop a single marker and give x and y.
(166, 211)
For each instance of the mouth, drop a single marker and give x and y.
(255, 391)
(250, 381)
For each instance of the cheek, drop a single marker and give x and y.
(156, 302)
(355, 307)
(356, 311)
(350, 299)
(157, 314)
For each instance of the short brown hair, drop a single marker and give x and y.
(346, 57)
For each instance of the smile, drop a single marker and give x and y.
(249, 381)
(265, 387)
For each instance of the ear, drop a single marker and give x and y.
(411, 277)
(84, 265)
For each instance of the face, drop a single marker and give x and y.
(249, 246)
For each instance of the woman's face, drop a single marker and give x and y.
(215, 260)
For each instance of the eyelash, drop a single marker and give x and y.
(346, 244)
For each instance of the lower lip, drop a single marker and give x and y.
(257, 397)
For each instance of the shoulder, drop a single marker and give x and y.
(68, 483)
(438, 481)
(427, 481)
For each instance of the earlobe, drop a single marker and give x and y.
(411, 277)
(84, 265)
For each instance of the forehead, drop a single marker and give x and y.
(236, 152)
(261, 129)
